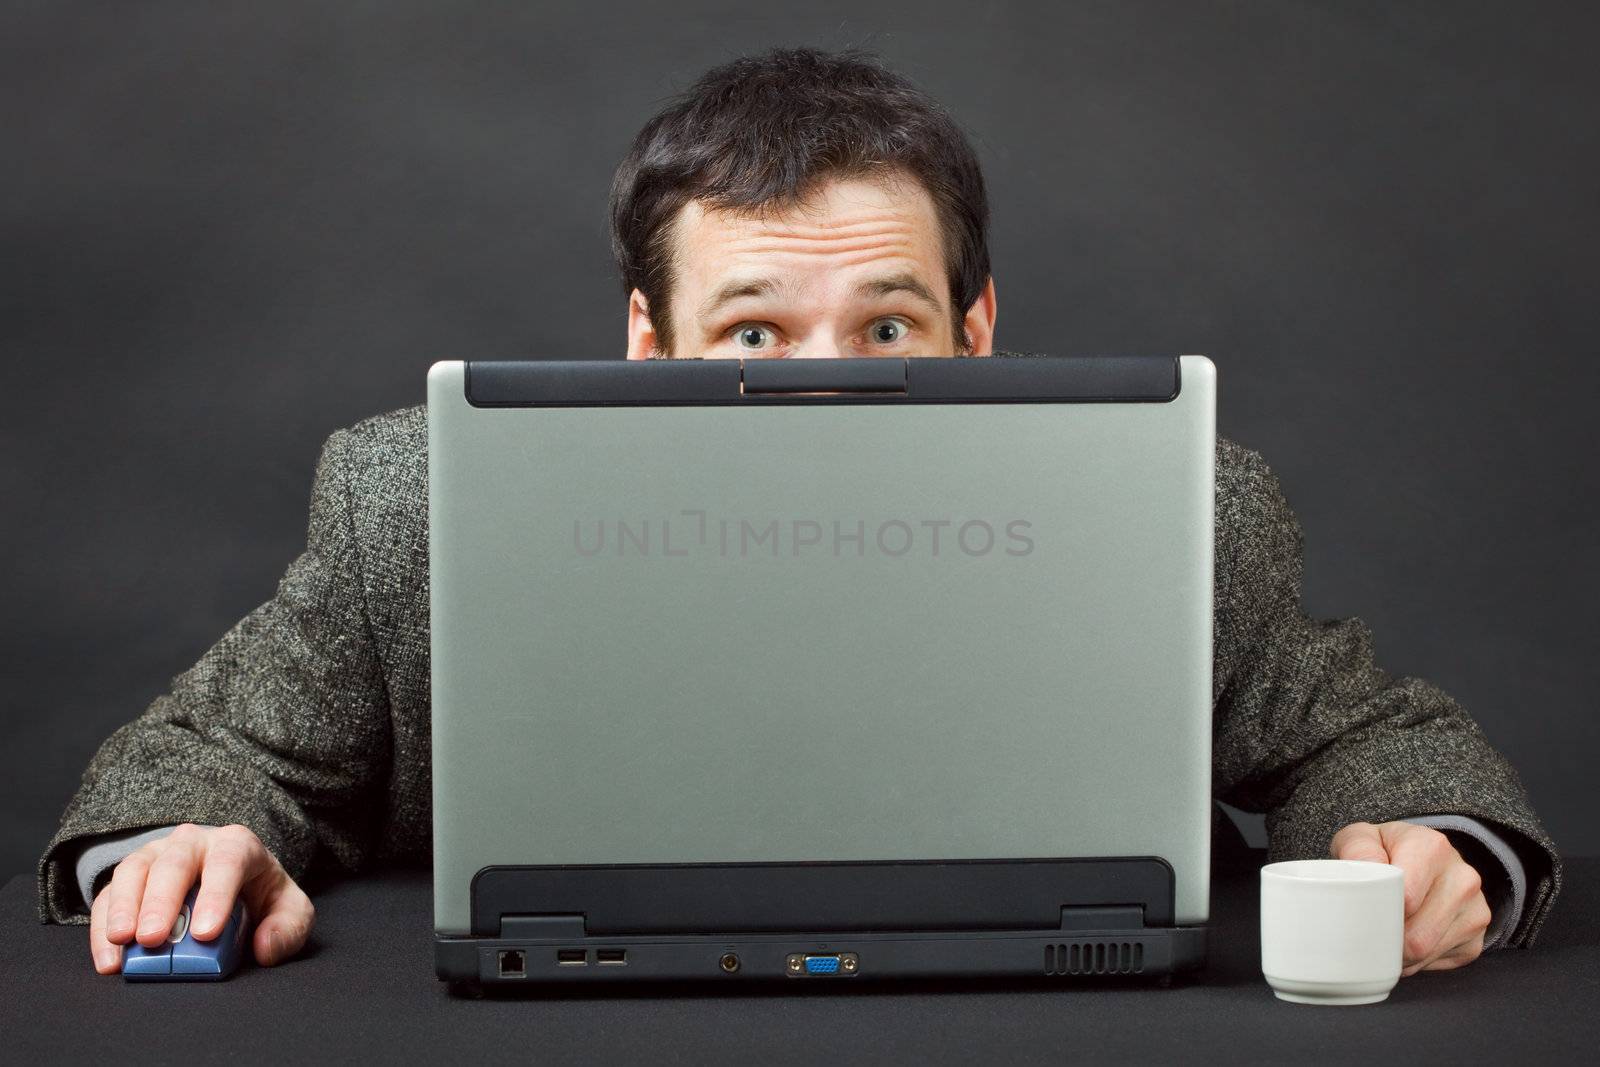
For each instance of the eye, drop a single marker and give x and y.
(753, 338)
(887, 331)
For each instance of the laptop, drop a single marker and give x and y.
(820, 671)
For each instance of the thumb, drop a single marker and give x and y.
(1359, 841)
(283, 915)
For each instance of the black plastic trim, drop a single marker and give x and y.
(593, 383)
(1106, 954)
(824, 376)
(909, 895)
(1034, 379)
(667, 382)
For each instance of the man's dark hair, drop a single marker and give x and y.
(760, 133)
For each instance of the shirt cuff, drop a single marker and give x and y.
(104, 852)
(1505, 880)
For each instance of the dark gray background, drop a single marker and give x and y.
(232, 228)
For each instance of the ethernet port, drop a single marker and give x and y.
(513, 963)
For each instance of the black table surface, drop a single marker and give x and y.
(365, 990)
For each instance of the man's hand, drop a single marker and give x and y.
(146, 892)
(1446, 913)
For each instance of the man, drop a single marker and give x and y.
(791, 205)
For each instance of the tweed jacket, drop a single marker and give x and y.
(309, 720)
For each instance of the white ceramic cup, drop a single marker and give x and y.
(1332, 931)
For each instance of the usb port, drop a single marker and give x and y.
(571, 957)
(612, 956)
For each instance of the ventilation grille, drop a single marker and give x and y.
(1095, 957)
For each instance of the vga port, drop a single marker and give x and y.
(823, 964)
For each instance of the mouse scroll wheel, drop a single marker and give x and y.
(180, 927)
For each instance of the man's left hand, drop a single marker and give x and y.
(1446, 912)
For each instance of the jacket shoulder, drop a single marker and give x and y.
(395, 438)
(1249, 495)
(1259, 550)
(1238, 464)
(380, 466)
(379, 463)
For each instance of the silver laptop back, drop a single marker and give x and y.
(819, 627)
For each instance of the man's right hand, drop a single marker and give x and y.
(146, 891)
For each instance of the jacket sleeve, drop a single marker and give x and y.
(1309, 730)
(282, 726)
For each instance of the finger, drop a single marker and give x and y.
(1443, 913)
(1462, 956)
(168, 883)
(286, 919)
(1423, 854)
(1463, 940)
(1423, 945)
(1359, 841)
(227, 863)
(126, 890)
(107, 957)
(1463, 948)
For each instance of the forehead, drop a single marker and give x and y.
(842, 228)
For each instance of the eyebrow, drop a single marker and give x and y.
(901, 283)
(876, 287)
(736, 290)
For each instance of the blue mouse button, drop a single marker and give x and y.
(184, 958)
(140, 962)
(215, 958)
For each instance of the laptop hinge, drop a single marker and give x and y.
(1114, 917)
(822, 377)
(560, 926)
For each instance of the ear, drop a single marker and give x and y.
(979, 322)
(642, 340)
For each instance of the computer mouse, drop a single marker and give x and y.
(183, 959)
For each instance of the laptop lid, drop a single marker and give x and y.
(795, 612)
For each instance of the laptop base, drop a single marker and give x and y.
(848, 957)
(821, 922)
